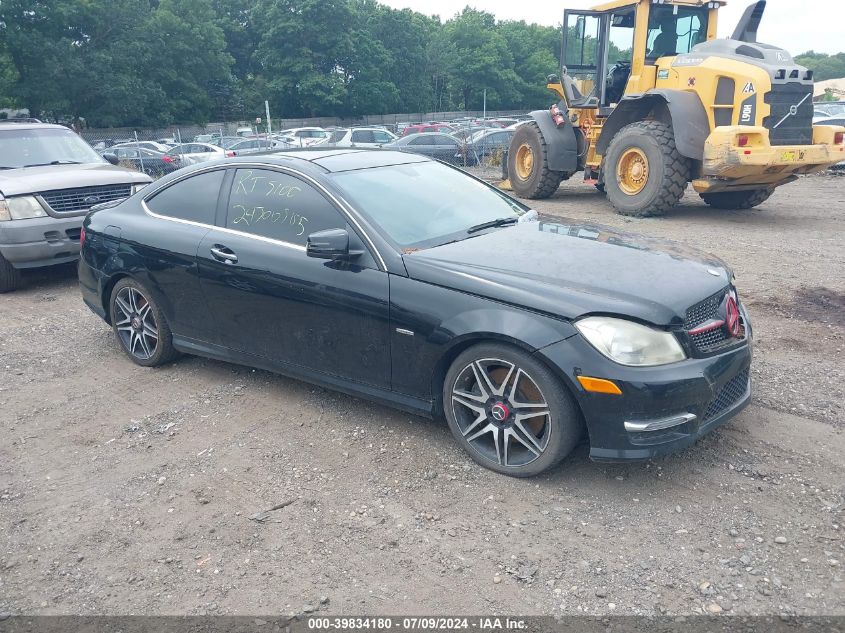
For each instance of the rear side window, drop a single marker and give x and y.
(381, 137)
(421, 140)
(278, 206)
(363, 136)
(193, 199)
(337, 136)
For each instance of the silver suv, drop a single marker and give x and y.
(49, 178)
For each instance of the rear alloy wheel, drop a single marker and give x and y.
(139, 325)
(508, 411)
(10, 277)
(644, 174)
(737, 199)
(528, 168)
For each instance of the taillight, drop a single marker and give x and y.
(838, 138)
(167, 159)
(82, 237)
(742, 140)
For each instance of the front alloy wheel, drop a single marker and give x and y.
(508, 411)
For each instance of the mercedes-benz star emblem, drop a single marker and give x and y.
(500, 412)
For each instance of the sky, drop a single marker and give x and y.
(795, 25)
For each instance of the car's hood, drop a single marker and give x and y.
(576, 269)
(29, 180)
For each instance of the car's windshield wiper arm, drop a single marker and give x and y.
(55, 162)
(493, 223)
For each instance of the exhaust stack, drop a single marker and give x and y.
(746, 29)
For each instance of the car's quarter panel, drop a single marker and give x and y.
(160, 253)
(430, 324)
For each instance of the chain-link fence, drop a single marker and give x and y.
(465, 139)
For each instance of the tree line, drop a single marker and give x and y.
(159, 62)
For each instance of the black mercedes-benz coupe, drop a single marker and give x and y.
(397, 278)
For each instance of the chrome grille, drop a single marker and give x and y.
(730, 393)
(80, 199)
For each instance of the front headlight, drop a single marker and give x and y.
(138, 187)
(22, 208)
(629, 343)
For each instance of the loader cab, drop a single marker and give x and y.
(612, 50)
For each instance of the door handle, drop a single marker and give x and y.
(223, 254)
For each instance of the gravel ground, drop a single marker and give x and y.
(128, 490)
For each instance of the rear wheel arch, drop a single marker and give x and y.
(105, 299)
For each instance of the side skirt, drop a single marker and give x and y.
(409, 404)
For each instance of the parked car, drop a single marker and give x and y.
(103, 143)
(427, 127)
(253, 146)
(434, 145)
(213, 138)
(360, 137)
(488, 143)
(244, 130)
(153, 145)
(831, 108)
(833, 120)
(153, 163)
(192, 153)
(522, 333)
(467, 131)
(49, 179)
(307, 136)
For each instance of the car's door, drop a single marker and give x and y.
(166, 242)
(445, 147)
(270, 300)
(422, 145)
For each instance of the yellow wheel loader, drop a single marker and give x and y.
(650, 100)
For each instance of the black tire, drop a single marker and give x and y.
(552, 434)
(541, 181)
(667, 175)
(10, 277)
(737, 199)
(136, 342)
(601, 188)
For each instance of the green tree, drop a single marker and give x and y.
(823, 66)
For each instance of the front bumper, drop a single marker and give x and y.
(40, 241)
(680, 402)
(728, 166)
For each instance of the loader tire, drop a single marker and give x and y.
(528, 166)
(644, 174)
(737, 199)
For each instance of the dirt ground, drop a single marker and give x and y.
(130, 491)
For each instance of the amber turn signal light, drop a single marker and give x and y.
(599, 385)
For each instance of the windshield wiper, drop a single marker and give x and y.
(7, 167)
(55, 162)
(493, 223)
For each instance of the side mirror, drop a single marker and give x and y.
(330, 244)
(112, 158)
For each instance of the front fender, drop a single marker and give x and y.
(561, 142)
(683, 110)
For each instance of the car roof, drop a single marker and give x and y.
(334, 160)
(24, 124)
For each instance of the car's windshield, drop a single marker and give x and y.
(420, 205)
(44, 146)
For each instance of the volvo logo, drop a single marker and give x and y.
(500, 412)
(793, 110)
